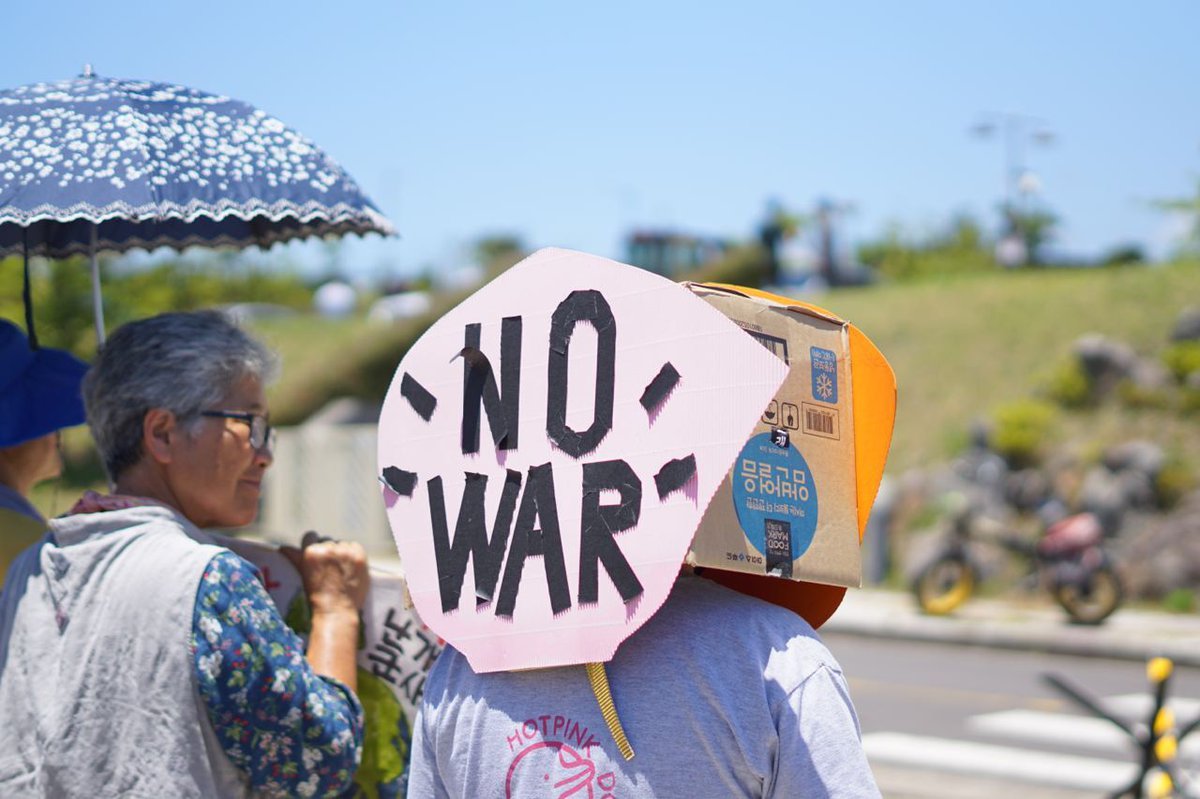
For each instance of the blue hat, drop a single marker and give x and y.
(39, 389)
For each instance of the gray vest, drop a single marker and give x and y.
(97, 684)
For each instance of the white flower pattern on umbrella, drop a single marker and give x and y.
(155, 164)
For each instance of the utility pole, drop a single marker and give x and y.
(1015, 130)
(827, 214)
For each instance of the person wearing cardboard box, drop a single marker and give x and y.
(582, 660)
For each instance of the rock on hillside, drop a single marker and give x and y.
(1164, 554)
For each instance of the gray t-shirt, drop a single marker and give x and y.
(721, 695)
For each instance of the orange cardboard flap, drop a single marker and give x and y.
(873, 386)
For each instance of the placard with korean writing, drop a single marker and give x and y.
(396, 652)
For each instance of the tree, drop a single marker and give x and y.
(778, 226)
(499, 252)
(62, 294)
(1033, 227)
(1189, 207)
(960, 246)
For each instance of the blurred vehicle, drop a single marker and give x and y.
(396, 307)
(244, 313)
(1066, 559)
(335, 299)
(671, 254)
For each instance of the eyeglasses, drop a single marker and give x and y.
(261, 433)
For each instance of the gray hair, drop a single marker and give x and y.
(183, 362)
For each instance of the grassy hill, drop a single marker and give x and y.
(961, 347)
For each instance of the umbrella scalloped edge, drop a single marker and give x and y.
(369, 219)
(312, 219)
(320, 228)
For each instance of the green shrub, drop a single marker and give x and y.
(1181, 600)
(1175, 479)
(957, 249)
(1189, 400)
(1022, 431)
(1068, 385)
(955, 441)
(741, 266)
(1182, 358)
(1134, 396)
(62, 292)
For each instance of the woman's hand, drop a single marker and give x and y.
(335, 574)
(336, 581)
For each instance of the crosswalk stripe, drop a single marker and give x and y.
(1052, 728)
(1056, 729)
(1137, 706)
(1002, 762)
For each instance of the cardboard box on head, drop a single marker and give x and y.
(786, 525)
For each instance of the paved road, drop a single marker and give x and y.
(947, 720)
(1028, 624)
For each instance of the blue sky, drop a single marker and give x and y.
(570, 123)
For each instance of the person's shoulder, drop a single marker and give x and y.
(450, 676)
(120, 525)
(18, 531)
(226, 567)
(778, 640)
(710, 603)
(13, 521)
(21, 542)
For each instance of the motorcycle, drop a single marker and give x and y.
(1067, 559)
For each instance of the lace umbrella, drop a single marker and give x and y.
(99, 164)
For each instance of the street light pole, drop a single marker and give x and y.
(1014, 129)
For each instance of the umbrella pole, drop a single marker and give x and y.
(27, 296)
(97, 302)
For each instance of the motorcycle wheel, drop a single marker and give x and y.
(1093, 598)
(944, 585)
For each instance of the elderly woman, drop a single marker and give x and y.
(39, 395)
(137, 657)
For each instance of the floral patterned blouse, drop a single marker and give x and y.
(294, 733)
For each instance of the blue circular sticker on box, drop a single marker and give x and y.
(776, 499)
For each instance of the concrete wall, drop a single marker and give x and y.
(325, 478)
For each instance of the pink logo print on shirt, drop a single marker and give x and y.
(564, 773)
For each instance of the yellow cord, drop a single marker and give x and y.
(599, 680)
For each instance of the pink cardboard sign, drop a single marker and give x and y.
(549, 447)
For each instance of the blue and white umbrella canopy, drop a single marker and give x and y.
(99, 164)
(105, 165)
